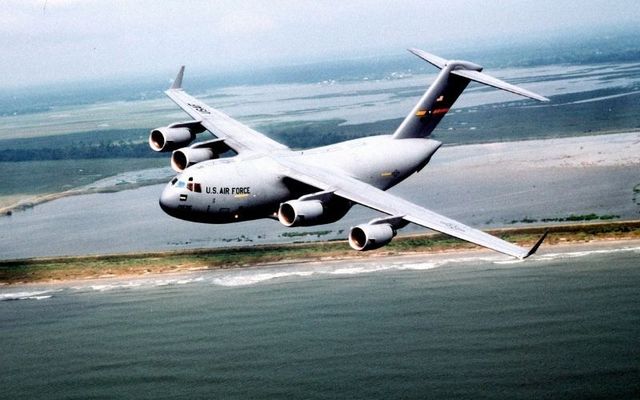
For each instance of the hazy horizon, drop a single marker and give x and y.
(57, 41)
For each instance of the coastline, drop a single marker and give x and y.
(60, 270)
(30, 202)
(105, 185)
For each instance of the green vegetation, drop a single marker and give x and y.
(241, 238)
(518, 120)
(307, 134)
(80, 151)
(36, 177)
(115, 143)
(54, 164)
(570, 218)
(61, 268)
(586, 217)
(303, 234)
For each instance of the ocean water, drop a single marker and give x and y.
(562, 325)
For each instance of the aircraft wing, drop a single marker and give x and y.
(371, 197)
(236, 135)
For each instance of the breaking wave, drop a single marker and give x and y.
(258, 275)
(576, 254)
(246, 278)
(34, 295)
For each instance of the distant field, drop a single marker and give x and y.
(52, 164)
(567, 115)
(584, 113)
(37, 177)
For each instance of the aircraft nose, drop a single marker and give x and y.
(168, 200)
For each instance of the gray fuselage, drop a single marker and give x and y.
(252, 186)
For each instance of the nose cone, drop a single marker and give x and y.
(169, 200)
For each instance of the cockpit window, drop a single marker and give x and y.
(181, 184)
(193, 186)
(173, 181)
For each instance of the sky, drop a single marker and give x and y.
(45, 41)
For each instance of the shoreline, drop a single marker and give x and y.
(59, 270)
(38, 199)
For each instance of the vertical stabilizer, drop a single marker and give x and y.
(433, 105)
(444, 91)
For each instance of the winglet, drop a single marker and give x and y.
(177, 83)
(538, 243)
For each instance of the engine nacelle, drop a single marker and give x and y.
(187, 156)
(169, 138)
(370, 236)
(301, 212)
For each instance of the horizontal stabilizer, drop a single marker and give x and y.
(432, 59)
(489, 80)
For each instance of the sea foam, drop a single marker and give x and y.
(34, 295)
(246, 278)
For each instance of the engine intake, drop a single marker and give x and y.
(168, 139)
(198, 152)
(187, 156)
(174, 136)
(370, 236)
(301, 212)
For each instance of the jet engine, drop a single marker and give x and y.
(187, 156)
(167, 139)
(197, 152)
(313, 209)
(174, 136)
(301, 212)
(370, 236)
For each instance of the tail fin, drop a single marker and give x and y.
(444, 91)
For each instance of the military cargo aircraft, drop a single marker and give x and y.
(266, 179)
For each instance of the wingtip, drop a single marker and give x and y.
(177, 83)
(541, 98)
(537, 245)
(432, 59)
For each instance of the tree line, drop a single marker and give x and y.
(80, 151)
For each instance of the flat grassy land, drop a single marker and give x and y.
(92, 267)
(52, 176)
(32, 182)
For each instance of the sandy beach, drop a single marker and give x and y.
(170, 267)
